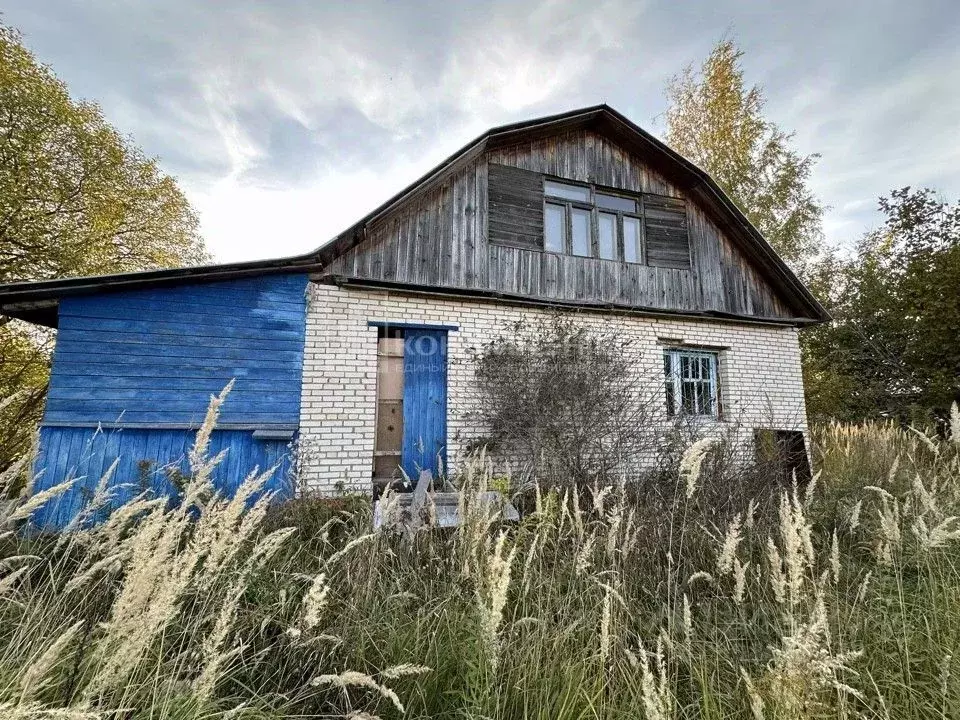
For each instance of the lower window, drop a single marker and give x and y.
(690, 378)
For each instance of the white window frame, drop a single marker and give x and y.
(675, 382)
(590, 205)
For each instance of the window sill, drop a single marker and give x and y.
(698, 420)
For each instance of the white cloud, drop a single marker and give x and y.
(255, 222)
(492, 74)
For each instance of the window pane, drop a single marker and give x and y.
(631, 239)
(568, 192)
(607, 236)
(669, 380)
(707, 406)
(703, 395)
(694, 382)
(554, 228)
(615, 202)
(581, 231)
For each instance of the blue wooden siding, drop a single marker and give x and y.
(146, 459)
(153, 357)
(143, 364)
(424, 402)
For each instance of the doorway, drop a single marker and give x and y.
(411, 413)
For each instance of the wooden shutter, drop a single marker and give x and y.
(665, 225)
(515, 207)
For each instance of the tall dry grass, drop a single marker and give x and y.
(699, 594)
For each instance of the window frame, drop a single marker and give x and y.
(591, 206)
(675, 382)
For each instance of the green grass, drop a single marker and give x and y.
(598, 604)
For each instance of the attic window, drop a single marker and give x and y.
(582, 220)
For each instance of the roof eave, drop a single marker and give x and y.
(37, 301)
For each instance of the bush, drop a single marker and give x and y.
(567, 403)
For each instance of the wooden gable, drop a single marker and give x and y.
(481, 230)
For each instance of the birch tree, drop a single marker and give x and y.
(715, 120)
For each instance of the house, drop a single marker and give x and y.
(358, 351)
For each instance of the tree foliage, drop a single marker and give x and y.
(893, 349)
(717, 122)
(76, 198)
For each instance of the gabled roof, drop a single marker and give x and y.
(36, 301)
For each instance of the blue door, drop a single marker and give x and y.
(424, 402)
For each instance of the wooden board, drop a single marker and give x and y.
(424, 402)
(515, 206)
(147, 460)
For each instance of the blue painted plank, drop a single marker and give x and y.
(186, 399)
(160, 419)
(131, 408)
(206, 384)
(114, 448)
(146, 451)
(257, 301)
(210, 340)
(45, 466)
(424, 402)
(155, 355)
(183, 348)
(170, 322)
(251, 290)
(89, 453)
(63, 507)
(135, 367)
(233, 470)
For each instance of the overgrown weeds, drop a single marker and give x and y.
(837, 599)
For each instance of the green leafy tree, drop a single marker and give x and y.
(893, 349)
(715, 121)
(76, 198)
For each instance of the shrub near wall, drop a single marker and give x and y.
(571, 403)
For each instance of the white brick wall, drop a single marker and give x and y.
(761, 384)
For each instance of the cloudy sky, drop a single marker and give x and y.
(285, 121)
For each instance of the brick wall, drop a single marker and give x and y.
(760, 378)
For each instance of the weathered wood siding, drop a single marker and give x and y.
(515, 207)
(666, 235)
(145, 459)
(143, 364)
(443, 238)
(153, 357)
